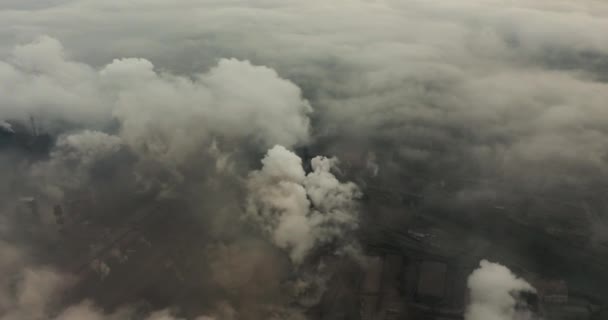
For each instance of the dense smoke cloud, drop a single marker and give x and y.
(494, 292)
(113, 109)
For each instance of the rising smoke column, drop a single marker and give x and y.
(494, 288)
(300, 211)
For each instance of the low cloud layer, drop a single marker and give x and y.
(234, 99)
(132, 132)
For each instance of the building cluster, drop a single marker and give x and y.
(396, 286)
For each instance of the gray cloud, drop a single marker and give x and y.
(47, 85)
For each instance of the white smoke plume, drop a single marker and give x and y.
(300, 211)
(493, 292)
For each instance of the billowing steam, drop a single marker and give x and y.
(301, 211)
(494, 293)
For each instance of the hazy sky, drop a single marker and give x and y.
(508, 81)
